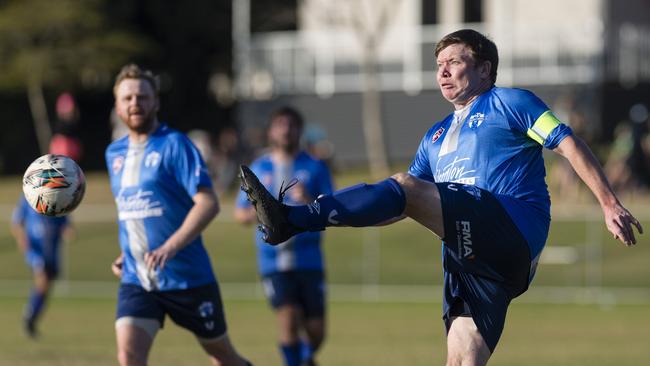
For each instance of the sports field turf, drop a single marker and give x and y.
(397, 322)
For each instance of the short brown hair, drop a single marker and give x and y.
(133, 71)
(289, 112)
(482, 48)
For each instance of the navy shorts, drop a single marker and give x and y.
(486, 259)
(38, 262)
(198, 310)
(303, 288)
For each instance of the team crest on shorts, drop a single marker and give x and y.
(437, 135)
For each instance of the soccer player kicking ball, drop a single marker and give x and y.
(164, 201)
(477, 182)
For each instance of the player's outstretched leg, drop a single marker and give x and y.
(359, 205)
(271, 213)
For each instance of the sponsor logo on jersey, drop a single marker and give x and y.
(138, 206)
(464, 237)
(455, 172)
(437, 135)
(118, 163)
(476, 119)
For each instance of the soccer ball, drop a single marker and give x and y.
(54, 185)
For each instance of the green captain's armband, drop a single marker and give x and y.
(543, 127)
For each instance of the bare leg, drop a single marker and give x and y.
(222, 352)
(315, 329)
(422, 202)
(288, 317)
(42, 282)
(465, 345)
(133, 345)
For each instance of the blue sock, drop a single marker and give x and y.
(291, 354)
(306, 351)
(359, 205)
(35, 305)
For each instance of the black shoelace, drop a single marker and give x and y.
(283, 189)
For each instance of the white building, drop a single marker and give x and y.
(559, 48)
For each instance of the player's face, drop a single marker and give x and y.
(458, 76)
(284, 134)
(136, 104)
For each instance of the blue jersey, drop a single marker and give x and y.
(303, 251)
(153, 184)
(495, 143)
(43, 232)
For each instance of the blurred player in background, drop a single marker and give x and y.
(164, 200)
(39, 238)
(477, 182)
(292, 272)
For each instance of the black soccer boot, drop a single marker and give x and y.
(29, 326)
(272, 214)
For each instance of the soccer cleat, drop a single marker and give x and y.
(272, 214)
(29, 327)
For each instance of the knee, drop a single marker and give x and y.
(130, 358)
(316, 337)
(404, 179)
(408, 183)
(315, 330)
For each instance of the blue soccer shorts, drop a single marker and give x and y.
(199, 310)
(38, 262)
(486, 259)
(303, 288)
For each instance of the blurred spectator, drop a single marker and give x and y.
(562, 178)
(66, 140)
(317, 145)
(118, 128)
(616, 167)
(227, 156)
(203, 143)
(638, 159)
(628, 163)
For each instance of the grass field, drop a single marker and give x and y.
(384, 307)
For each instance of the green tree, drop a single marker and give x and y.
(57, 45)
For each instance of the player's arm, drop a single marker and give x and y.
(618, 219)
(245, 215)
(206, 207)
(20, 235)
(69, 232)
(116, 266)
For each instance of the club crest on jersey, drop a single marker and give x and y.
(118, 162)
(152, 159)
(476, 119)
(437, 135)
